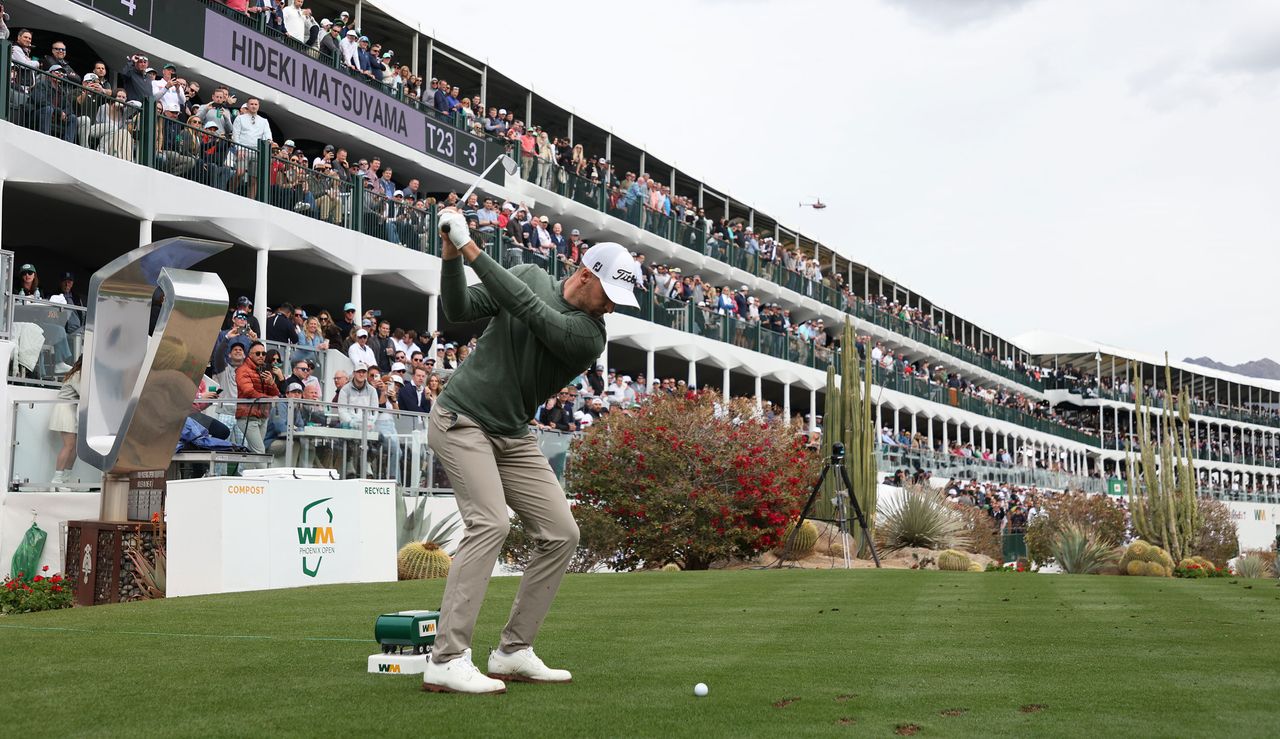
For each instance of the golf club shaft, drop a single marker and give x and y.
(473, 187)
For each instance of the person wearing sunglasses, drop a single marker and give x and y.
(254, 382)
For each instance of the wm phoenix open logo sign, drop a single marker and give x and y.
(315, 537)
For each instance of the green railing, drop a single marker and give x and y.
(210, 159)
(594, 195)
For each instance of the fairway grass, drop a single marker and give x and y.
(785, 653)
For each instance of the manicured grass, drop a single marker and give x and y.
(856, 653)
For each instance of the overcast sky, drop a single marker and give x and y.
(1102, 169)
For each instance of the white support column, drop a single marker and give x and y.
(693, 374)
(929, 420)
(414, 54)
(433, 313)
(759, 392)
(260, 288)
(1, 206)
(813, 410)
(144, 232)
(648, 369)
(895, 423)
(786, 402)
(946, 442)
(724, 382)
(356, 295)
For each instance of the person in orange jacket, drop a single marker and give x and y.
(255, 384)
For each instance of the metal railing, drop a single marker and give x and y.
(182, 149)
(356, 441)
(1198, 407)
(892, 458)
(592, 193)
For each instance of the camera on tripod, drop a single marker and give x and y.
(842, 499)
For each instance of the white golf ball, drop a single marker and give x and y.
(700, 689)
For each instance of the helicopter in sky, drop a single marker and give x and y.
(817, 204)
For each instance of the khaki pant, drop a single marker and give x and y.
(490, 473)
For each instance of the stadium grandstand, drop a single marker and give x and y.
(322, 138)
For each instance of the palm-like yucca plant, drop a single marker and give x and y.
(1079, 551)
(1252, 566)
(920, 518)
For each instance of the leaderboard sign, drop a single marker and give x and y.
(247, 52)
(137, 13)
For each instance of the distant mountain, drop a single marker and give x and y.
(1265, 369)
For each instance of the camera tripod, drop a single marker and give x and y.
(837, 461)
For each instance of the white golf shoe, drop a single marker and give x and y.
(459, 676)
(524, 666)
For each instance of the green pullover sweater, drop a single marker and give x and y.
(533, 346)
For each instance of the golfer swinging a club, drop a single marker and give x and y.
(541, 334)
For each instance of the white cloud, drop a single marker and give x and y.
(950, 14)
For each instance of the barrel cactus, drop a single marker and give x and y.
(422, 561)
(802, 545)
(1141, 553)
(954, 561)
(975, 567)
(836, 549)
(671, 567)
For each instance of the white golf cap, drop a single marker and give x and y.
(398, 367)
(616, 271)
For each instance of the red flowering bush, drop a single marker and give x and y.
(691, 480)
(40, 593)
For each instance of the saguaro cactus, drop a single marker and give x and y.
(847, 418)
(1162, 478)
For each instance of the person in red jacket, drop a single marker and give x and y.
(254, 387)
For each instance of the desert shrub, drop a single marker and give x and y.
(1099, 514)
(1252, 566)
(598, 540)
(1080, 551)
(981, 531)
(691, 480)
(920, 517)
(670, 567)
(1217, 540)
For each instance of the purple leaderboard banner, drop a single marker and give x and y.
(245, 51)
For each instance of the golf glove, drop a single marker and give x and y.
(456, 227)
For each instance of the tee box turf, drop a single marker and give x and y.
(394, 632)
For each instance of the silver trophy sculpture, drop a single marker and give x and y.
(150, 329)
